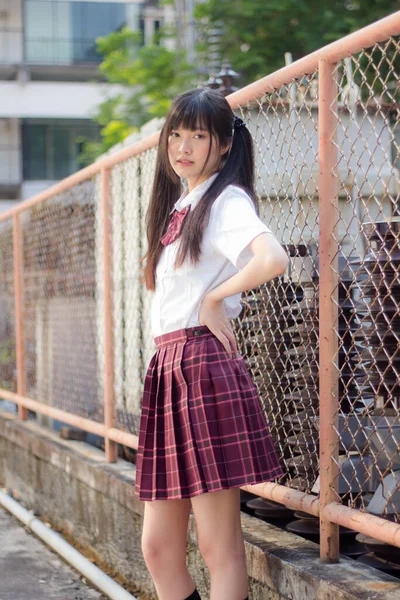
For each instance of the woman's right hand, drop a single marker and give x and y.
(212, 314)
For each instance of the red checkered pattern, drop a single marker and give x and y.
(202, 428)
(174, 226)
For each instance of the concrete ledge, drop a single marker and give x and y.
(93, 503)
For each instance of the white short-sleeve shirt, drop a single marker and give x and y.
(232, 226)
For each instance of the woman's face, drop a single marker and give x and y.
(188, 151)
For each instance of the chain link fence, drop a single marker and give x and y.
(60, 302)
(367, 234)
(8, 364)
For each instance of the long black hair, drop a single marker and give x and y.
(209, 110)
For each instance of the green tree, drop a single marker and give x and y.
(257, 33)
(152, 76)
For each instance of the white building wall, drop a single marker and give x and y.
(63, 100)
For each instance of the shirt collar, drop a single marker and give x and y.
(193, 197)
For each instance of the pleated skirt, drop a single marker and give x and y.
(202, 427)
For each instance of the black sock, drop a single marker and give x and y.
(194, 595)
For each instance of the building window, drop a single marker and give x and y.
(91, 20)
(62, 32)
(51, 148)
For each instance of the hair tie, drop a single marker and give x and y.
(238, 123)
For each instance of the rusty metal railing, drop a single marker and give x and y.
(322, 341)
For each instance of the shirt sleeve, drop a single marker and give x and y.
(234, 225)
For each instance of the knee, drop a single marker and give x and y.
(161, 555)
(154, 551)
(217, 554)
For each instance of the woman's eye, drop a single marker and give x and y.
(199, 135)
(173, 134)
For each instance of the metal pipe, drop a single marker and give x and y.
(56, 542)
(380, 529)
(372, 525)
(55, 413)
(120, 437)
(328, 307)
(123, 437)
(109, 398)
(289, 497)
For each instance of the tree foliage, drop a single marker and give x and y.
(151, 76)
(257, 33)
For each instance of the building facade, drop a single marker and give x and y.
(50, 84)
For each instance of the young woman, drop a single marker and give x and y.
(203, 433)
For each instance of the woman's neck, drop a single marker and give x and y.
(191, 185)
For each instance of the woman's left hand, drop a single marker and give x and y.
(212, 314)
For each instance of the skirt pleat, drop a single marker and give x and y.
(157, 452)
(202, 427)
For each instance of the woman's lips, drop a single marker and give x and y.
(185, 163)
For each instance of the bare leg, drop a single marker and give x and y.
(164, 547)
(221, 542)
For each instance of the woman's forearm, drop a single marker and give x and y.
(259, 270)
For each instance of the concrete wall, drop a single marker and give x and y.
(94, 505)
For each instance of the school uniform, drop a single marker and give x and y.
(202, 427)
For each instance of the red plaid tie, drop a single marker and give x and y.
(174, 226)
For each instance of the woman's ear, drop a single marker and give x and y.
(224, 149)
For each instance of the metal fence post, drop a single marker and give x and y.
(328, 307)
(109, 398)
(19, 312)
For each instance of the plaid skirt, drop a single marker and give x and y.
(202, 427)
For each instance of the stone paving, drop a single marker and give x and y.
(29, 570)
